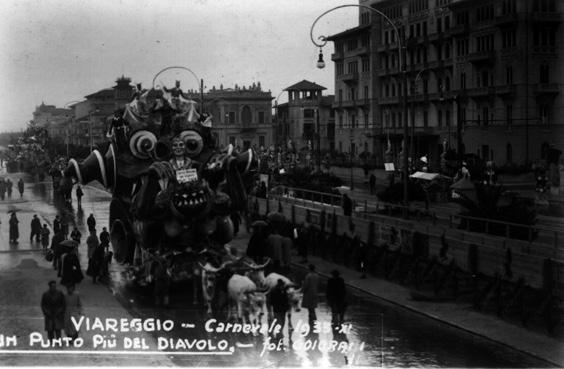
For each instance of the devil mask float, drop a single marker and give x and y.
(173, 190)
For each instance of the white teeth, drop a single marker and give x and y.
(191, 202)
(161, 184)
(185, 196)
(194, 194)
(133, 188)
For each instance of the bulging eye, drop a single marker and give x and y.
(142, 143)
(193, 142)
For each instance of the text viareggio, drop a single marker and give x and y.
(173, 189)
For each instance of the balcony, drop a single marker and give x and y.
(506, 90)
(350, 77)
(458, 30)
(363, 50)
(339, 55)
(481, 57)
(481, 92)
(545, 50)
(348, 104)
(363, 102)
(506, 19)
(387, 47)
(546, 17)
(389, 100)
(547, 89)
(248, 129)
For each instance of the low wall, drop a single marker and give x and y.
(526, 259)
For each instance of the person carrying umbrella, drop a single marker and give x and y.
(53, 307)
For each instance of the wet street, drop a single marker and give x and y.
(377, 333)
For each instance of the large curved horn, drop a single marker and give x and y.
(208, 268)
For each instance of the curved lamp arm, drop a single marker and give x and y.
(320, 62)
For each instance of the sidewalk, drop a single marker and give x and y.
(24, 274)
(459, 315)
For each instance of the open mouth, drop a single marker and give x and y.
(190, 201)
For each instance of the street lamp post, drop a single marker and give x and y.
(402, 65)
(351, 158)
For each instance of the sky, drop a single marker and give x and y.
(58, 51)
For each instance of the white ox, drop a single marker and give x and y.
(248, 300)
(295, 295)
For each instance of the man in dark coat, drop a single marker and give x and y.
(57, 249)
(53, 307)
(2, 189)
(35, 228)
(79, 194)
(105, 237)
(91, 222)
(21, 187)
(71, 273)
(256, 248)
(280, 303)
(76, 235)
(14, 228)
(9, 185)
(57, 225)
(336, 298)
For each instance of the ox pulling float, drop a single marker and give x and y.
(173, 188)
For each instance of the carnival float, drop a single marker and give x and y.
(173, 189)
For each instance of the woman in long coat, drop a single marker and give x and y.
(73, 308)
(71, 273)
(14, 229)
(310, 289)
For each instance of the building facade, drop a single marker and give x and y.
(242, 116)
(307, 120)
(483, 71)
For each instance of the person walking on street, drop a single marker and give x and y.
(71, 272)
(79, 194)
(336, 298)
(95, 263)
(161, 272)
(372, 184)
(45, 237)
(91, 222)
(76, 235)
(35, 229)
(21, 187)
(9, 185)
(14, 228)
(2, 189)
(57, 249)
(57, 224)
(280, 303)
(73, 309)
(310, 290)
(105, 237)
(53, 307)
(65, 229)
(92, 244)
(256, 248)
(287, 246)
(347, 205)
(274, 247)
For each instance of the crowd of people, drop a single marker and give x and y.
(6, 186)
(59, 307)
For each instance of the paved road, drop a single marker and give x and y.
(380, 334)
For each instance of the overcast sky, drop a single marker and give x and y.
(57, 51)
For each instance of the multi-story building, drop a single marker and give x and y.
(307, 119)
(53, 119)
(242, 116)
(483, 70)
